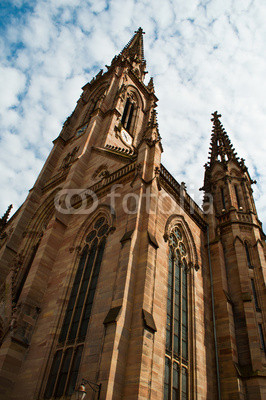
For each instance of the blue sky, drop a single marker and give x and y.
(203, 55)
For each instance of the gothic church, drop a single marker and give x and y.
(115, 284)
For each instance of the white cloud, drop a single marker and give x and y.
(203, 56)
(12, 83)
(98, 6)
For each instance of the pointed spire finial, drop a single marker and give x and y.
(140, 30)
(150, 86)
(134, 49)
(216, 116)
(134, 53)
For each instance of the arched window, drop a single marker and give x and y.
(237, 196)
(177, 355)
(66, 361)
(127, 117)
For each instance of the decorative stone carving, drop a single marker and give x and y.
(69, 158)
(101, 172)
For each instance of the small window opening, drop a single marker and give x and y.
(125, 112)
(262, 341)
(128, 115)
(223, 197)
(248, 255)
(237, 197)
(255, 295)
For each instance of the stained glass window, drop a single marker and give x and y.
(66, 361)
(177, 357)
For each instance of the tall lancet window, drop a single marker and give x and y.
(127, 117)
(177, 352)
(248, 255)
(66, 361)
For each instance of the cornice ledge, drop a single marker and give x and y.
(112, 153)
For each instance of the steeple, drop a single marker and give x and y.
(221, 148)
(134, 49)
(236, 259)
(221, 151)
(134, 53)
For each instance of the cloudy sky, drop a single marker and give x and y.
(204, 56)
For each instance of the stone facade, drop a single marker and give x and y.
(106, 166)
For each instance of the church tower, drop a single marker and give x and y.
(236, 243)
(113, 280)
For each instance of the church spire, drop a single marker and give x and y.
(134, 53)
(221, 148)
(134, 50)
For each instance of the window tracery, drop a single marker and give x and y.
(66, 361)
(177, 350)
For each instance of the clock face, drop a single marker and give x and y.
(126, 137)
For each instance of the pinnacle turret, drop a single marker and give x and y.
(150, 86)
(221, 148)
(152, 134)
(153, 123)
(4, 219)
